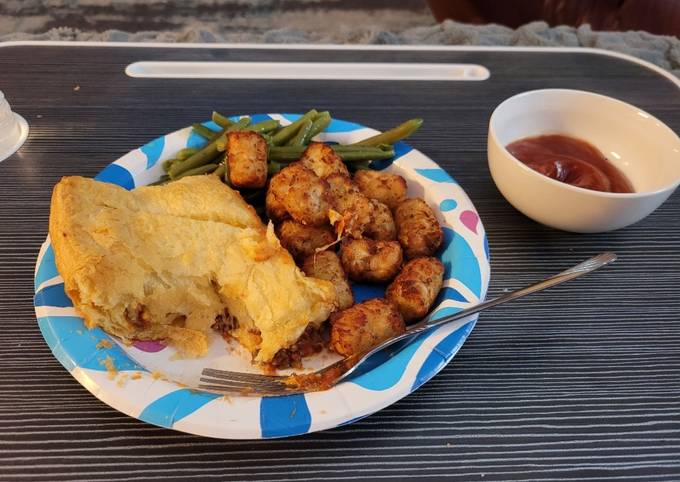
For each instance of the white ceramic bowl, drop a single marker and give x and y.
(641, 146)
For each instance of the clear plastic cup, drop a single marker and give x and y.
(13, 129)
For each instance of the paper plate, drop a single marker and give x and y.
(148, 382)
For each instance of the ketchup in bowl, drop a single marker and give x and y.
(570, 160)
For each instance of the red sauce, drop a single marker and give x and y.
(570, 160)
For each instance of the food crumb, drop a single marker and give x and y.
(227, 398)
(121, 380)
(136, 376)
(104, 344)
(39, 116)
(110, 367)
(245, 391)
(156, 375)
(448, 444)
(76, 88)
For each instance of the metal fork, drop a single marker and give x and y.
(237, 383)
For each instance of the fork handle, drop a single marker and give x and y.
(587, 266)
(583, 268)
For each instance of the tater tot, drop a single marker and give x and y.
(323, 160)
(299, 193)
(418, 230)
(369, 260)
(247, 159)
(341, 185)
(414, 289)
(355, 208)
(326, 265)
(356, 213)
(387, 188)
(302, 241)
(358, 329)
(381, 227)
(277, 190)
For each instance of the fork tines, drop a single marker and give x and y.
(239, 383)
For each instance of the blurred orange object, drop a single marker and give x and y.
(654, 16)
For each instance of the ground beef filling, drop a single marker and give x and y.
(312, 341)
(225, 323)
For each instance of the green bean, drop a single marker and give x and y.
(361, 165)
(299, 138)
(265, 126)
(287, 154)
(221, 169)
(241, 124)
(186, 153)
(221, 141)
(287, 132)
(274, 167)
(321, 121)
(182, 155)
(203, 131)
(167, 163)
(182, 158)
(267, 138)
(221, 120)
(206, 169)
(366, 153)
(204, 156)
(402, 131)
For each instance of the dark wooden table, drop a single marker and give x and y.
(579, 383)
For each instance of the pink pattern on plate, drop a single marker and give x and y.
(148, 346)
(469, 220)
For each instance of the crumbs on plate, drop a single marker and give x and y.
(104, 343)
(122, 379)
(110, 367)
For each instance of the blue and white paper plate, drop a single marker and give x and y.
(147, 381)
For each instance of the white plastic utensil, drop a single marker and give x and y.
(13, 129)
